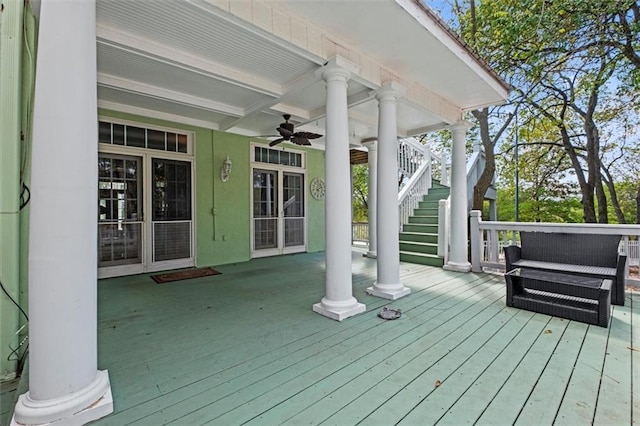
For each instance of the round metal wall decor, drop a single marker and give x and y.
(317, 188)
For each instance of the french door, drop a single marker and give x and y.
(145, 219)
(278, 214)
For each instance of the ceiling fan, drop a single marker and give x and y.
(287, 134)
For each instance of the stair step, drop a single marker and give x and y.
(438, 193)
(425, 212)
(424, 229)
(425, 220)
(422, 259)
(422, 248)
(418, 237)
(430, 204)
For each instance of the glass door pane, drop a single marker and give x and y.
(171, 204)
(119, 210)
(265, 209)
(293, 207)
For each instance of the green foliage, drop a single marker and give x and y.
(574, 67)
(360, 175)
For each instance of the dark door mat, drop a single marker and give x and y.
(184, 275)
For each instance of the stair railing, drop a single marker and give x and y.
(415, 188)
(411, 155)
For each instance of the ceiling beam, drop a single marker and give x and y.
(147, 48)
(278, 104)
(110, 81)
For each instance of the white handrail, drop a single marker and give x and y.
(413, 191)
(488, 238)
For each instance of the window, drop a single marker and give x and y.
(276, 156)
(138, 137)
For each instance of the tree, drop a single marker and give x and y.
(360, 193)
(564, 60)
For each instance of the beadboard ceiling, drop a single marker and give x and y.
(238, 65)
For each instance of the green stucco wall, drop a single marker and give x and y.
(222, 209)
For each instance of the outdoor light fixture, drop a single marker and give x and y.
(225, 170)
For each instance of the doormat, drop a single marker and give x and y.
(184, 275)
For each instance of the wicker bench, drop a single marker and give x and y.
(584, 255)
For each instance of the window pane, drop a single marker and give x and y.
(104, 132)
(172, 141)
(155, 139)
(172, 190)
(135, 136)
(118, 134)
(182, 143)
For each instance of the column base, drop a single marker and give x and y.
(339, 310)
(371, 255)
(386, 291)
(91, 403)
(457, 266)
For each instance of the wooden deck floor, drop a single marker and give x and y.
(245, 347)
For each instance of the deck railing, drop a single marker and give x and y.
(359, 232)
(488, 239)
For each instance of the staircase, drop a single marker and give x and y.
(419, 237)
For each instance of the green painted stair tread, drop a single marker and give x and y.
(419, 237)
(414, 248)
(418, 227)
(432, 211)
(421, 258)
(424, 220)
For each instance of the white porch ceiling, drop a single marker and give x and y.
(239, 65)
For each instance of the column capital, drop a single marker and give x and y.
(338, 68)
(370, 144)
(390, 91)
(462, 125)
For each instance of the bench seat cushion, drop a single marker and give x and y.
(599, 271)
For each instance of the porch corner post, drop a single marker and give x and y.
(388, 285)
(372, 196)
(476, 239)
(338, 302)
(65, 386)
(458, 258)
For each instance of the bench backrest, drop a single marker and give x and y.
(576, 249)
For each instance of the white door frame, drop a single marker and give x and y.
(280, 170)
(147, 264)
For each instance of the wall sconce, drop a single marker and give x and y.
(225, 170)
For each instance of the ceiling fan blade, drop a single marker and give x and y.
(265, 136)
(284, 132)
(307, 135)
(300, 141)
(276, 142)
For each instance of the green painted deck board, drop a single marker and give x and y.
(245, 346)
(416, 336)
(471, 404)
(579, 402)
(614, 398)
(505, 407)
(321, 355)
(542, 405)
(462, 327)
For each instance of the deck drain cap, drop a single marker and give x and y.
(389, 314)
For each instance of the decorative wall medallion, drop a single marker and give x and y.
(317, 188)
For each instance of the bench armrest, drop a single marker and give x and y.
(511, 254)
(617, 297)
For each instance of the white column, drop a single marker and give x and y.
(338, 302)
(458, 257)
(388, 283)
(65, 385)
(372, 196)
